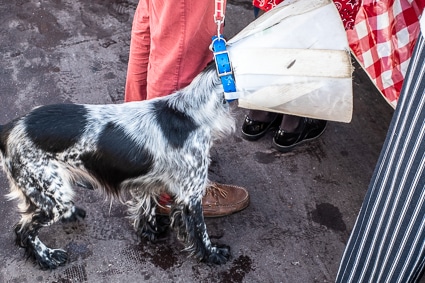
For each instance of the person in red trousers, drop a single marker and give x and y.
(169, 47)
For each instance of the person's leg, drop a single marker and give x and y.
(295, 130)
(181, 33)
(387, 243)
(257, 123)
(169, 47)
(137, 70)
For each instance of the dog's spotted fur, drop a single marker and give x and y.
(131, 151)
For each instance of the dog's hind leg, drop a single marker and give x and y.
(188, 221)
(27, 237)
(44, 201)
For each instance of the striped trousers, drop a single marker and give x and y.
(387, 243)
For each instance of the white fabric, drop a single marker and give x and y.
(295, 59)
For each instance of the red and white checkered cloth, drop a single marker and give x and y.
(383, 39)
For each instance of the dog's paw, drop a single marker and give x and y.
(156, 230)
(147, 234)
(51, 258)
(77, 214)
(219, 254)
(163, 223)
(152, 236)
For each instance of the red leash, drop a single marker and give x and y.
(220, 7)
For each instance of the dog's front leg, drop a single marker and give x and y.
(188, 221)
(142, 210)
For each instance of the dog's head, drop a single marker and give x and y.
(203, 100)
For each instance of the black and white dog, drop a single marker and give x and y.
(131, 151)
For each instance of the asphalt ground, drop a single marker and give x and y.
(303, 203)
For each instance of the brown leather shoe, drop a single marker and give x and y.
(219, 200)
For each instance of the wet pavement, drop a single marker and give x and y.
(303, 203)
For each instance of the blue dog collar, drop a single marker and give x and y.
(222, 63)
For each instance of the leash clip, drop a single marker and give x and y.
(222, 63)
(220, 6)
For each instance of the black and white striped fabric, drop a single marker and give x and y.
(387, 243)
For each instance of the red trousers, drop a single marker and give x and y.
(169, 46)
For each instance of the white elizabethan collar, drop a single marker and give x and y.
(295, 59)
